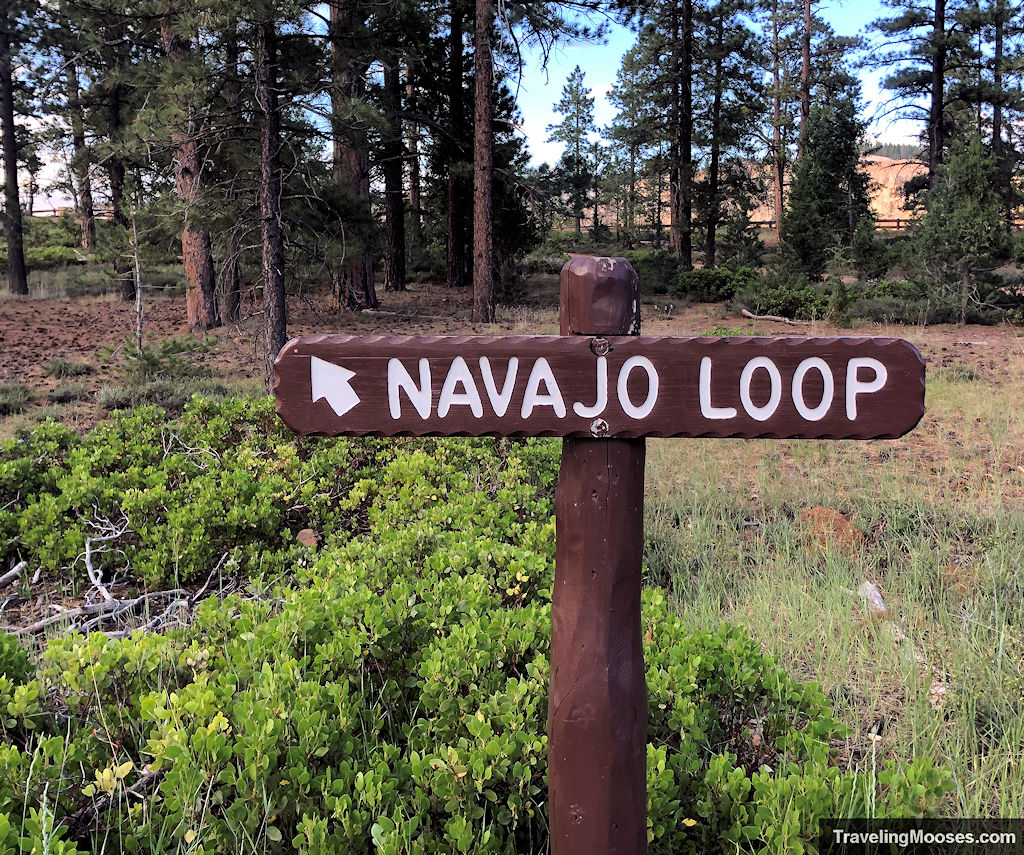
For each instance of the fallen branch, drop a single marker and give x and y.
(776, 318)
(413, 317)
(12, 576)
(106, 610)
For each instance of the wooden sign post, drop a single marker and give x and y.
(603, 388)
(597, 702)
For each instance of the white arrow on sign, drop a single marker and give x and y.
(330, 381)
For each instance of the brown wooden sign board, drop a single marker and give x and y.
(593, 386)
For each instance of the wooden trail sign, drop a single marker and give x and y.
(841, 388)
(603, 388)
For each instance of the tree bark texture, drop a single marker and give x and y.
(597, 705)
(392, 151)
(415, 182)
(112, 44)
(196, 250)
(778, 152)
(17, 277)
(805, 71)
(456, 266)
(274, 307)
(230, 278)
(714, 162)
(80, 156)
(936, 124)
(999, 151)
(483, 166)
(353, 284)
(686, 142)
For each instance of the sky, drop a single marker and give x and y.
(539, 91)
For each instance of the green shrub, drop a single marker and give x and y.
(167, 359)
(14, 663)
(712, 286)
(656, 269)
(47, 257)
(392, 696)
(806, 302)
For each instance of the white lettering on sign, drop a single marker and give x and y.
(855, 387)
(541, 373)
(761, 414)
(707, 409)
(602, 393)
(459, 374)
(330, 381)
(500, 400)
(628, 407)
(827, 393)
(419, 396)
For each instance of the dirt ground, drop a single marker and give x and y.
(34, 331)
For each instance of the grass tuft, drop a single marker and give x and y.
(60, 368)
(14, 398)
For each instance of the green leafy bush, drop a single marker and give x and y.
(656, 269)
(391, 697)
(47, 257)
(805, 302)
(14, 664)
(712, 286)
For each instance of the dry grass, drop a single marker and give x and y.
(750, 532)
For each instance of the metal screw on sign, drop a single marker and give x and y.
(603, 389)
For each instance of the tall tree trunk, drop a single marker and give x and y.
(230, 266)
(112, 60)
(17, 278)
(998, 150)
(675, 135)
(686, 143)
(353, 284)
(681, 171)
(936, 123)
(274, 307)
(660, 189)
(455, 255)
(778, 153)
(415, 181)
(483, 163)
(80, 156)
(805, 73)
(714, 164)
(394, 209)
(197, 253)
(631, 200)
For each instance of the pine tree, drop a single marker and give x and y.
(828, 198)
(577, 109)
(17, 278)
(921, 39)
(961, 233)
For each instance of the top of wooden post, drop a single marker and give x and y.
(599, 296)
